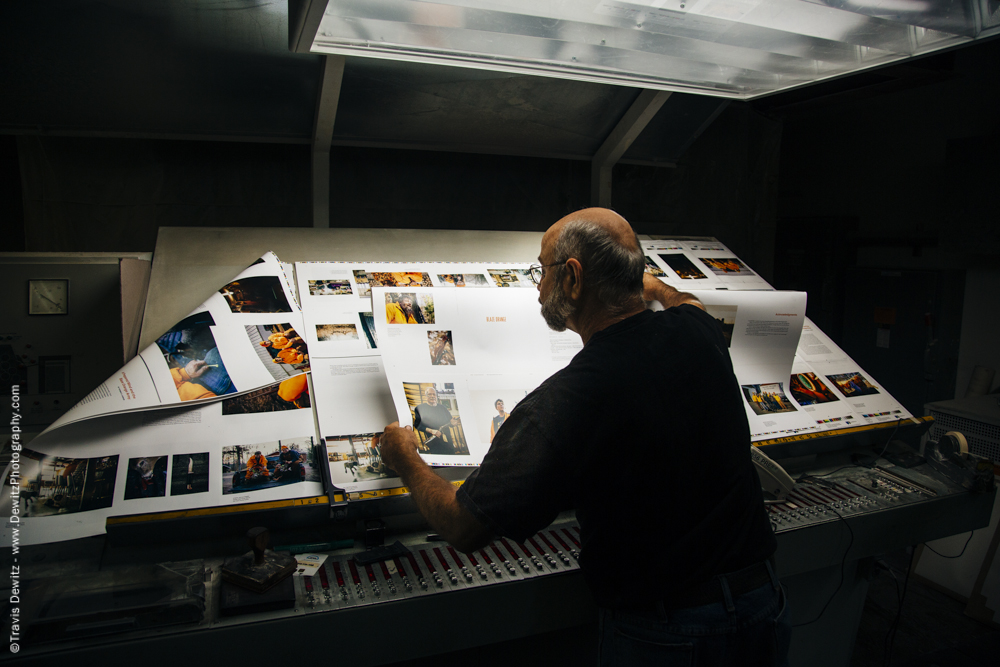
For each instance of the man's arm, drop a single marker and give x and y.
(435, 498)
(655, 290)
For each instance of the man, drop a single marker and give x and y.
(677, 555)
(402, 312)
(497, 421)
(257, 464)
(292, 461)
(430, 418)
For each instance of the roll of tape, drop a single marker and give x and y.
(963, 444)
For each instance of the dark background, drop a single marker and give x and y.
(870, 192)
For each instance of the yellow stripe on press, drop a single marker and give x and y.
(231, 509)
(843, 431)
(385, 493)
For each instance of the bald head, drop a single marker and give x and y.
(614, 226)
(609, 252)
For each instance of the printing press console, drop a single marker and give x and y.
(830, 528)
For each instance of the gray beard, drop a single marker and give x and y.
(556, 309)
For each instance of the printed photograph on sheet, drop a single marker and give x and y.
(436, 419)
(511, 277)
(409, 308)
(726, 317)
(356, 458)
(266, 465)
(463, 280)
(361, 280)
(683, 266)
(146, 477)
(53, 485)
(280, 348)
(765, 399)
(329, 287)
(188, 474)
(441, 349)
(399, 279)
(807, 389)
(195, 364)
(652, 267)
(368, 326)
(852, 384)
(257, 294)
(726, 266)
(289, 394)
(333, 333)
(492, 408)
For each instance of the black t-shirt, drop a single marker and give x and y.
(644, 433)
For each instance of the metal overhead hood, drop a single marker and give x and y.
(727, 48)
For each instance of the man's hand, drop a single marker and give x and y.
(433, 496)
(196, 368)
(653, 289)
(398, 446)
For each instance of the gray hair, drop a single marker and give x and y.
(612, 270)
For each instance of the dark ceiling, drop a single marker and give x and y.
(222, 70)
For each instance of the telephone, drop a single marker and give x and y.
(775, 482)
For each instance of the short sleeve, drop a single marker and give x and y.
(520, 486)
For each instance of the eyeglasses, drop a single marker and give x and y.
(537, 271)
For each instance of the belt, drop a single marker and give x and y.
(740, 582)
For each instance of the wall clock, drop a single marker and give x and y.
(48, 297)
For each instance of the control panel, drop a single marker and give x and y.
(437, 567)
(852, 492)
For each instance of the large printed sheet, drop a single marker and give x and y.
(242, 338)
(116, 452)
(699, 265)
(337, 303)
(348, 369)
(174, 459)
(176, 428)
(474, 350)
(762, 329)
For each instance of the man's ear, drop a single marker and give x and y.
(573, 279)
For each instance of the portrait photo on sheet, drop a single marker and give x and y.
(492, 407)
(436, 419)
(258, 294)
(409, 308)
(188, 474)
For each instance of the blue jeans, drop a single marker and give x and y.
(752, 629)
